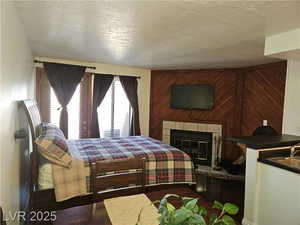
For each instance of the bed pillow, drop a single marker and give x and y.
(52, 145)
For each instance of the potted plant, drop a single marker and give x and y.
(190, 213)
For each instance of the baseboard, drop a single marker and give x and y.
(248, 222)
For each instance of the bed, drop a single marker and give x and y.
(164, 164)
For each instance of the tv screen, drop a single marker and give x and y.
(192, 97)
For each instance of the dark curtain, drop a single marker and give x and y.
(101, 86)
(130, 85)
(64, 79)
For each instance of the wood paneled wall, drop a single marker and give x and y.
(263, 97)
(243, 98)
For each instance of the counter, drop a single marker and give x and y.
(263, 144)
(272, 194)
(260, 142)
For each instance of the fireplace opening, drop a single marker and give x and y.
(198, 145)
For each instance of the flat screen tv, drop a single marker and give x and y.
(192, 97)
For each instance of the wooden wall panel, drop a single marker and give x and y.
(224, 82)
(238, 102)
(263, 97)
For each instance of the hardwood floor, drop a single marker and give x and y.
(221, 190)
(226, 191)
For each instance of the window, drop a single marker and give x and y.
(73, 112)
(114, 113)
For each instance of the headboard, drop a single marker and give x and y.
(33, 115)
(34, 120)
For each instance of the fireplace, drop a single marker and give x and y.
(203, 150)
(198, 145)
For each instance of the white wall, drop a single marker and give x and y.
(250, 208)
(16, 83)
(291, 114)
(143, 86)
(287, 46)
(282, 44)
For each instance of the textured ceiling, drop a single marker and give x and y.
(156, 34)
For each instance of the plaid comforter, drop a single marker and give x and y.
(164, 163)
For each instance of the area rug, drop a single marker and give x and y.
(125, 210)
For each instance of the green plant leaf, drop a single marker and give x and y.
(198, 219)
(227, 220)
(186, 200)
(163, 202)
(180, 215)
(164, 218)
(191, 213)
(170, 207)
(212, 219)
(191, 204)
(218, 205)
(196, 209)
(162, 208)
(231, 208)
(202, 211)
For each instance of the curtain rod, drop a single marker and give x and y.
(88, 67)
(137, 77)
